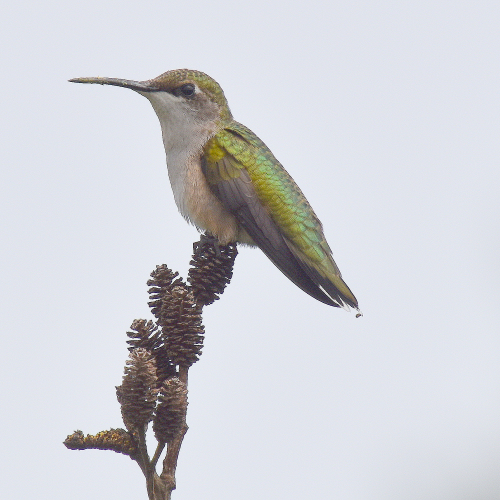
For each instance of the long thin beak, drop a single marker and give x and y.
(119, 82)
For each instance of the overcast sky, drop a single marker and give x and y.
(387, 115)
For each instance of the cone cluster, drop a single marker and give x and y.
(154, 385)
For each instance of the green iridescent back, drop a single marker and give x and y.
(275, 188)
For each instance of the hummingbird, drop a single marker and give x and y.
(227, 182)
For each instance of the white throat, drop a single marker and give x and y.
(185, 131)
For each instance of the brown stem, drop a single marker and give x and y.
(159, 490)
(157, 454)
(167, 476)
(170, 462)
(145, 464)
(183, 374)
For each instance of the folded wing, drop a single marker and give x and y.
(252, 185)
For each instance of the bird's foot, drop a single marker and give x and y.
(209, 239)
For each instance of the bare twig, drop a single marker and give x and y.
(170, 462)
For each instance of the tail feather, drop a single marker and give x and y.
(331, 284)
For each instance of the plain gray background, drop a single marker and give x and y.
(387, 115)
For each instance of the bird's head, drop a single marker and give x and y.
(180, 96)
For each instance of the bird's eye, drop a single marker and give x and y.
(187, 90)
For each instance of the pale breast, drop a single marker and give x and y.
(198, 204)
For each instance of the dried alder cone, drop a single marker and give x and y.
(182, 327)
(170, 415)
(147, 335)
(178, 316)
(138, 392)
(162, 281)
(212, 269)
